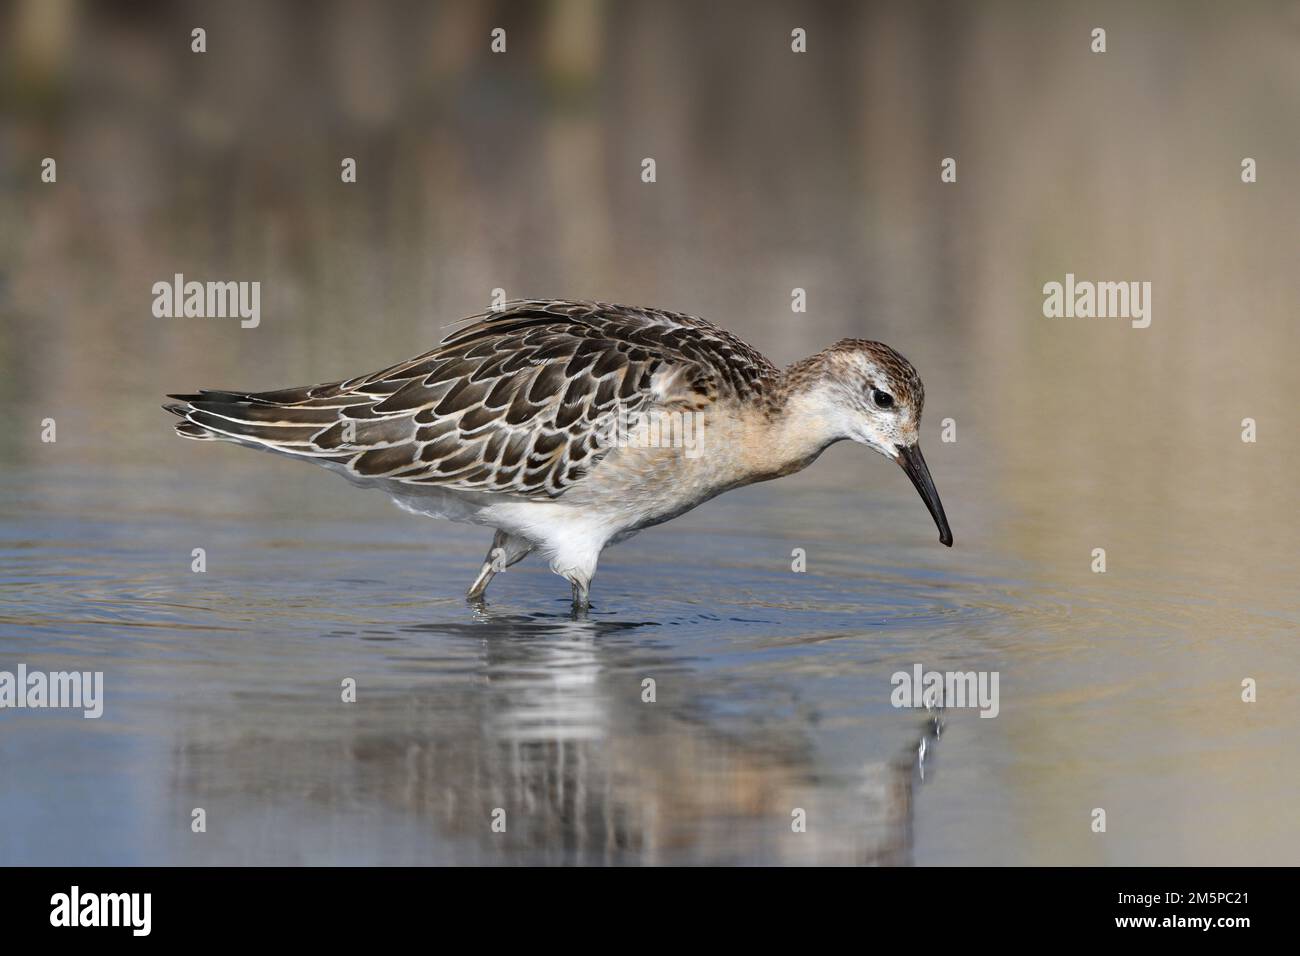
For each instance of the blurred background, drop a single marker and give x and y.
(775, 170)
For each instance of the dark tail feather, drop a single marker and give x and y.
(255, 420)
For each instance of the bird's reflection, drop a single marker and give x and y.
(583, 741)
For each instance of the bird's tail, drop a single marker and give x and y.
(290, 421)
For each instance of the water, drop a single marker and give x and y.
(772, 688)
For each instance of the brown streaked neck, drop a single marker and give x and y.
(797, 423)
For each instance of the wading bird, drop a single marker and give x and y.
(513, 422)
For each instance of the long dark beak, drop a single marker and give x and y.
(913, 462)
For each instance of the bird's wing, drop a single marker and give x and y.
(519, 401)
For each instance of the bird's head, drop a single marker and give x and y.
(870, 394)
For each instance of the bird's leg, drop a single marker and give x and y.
(581, 591)
(506, 550)
(575, 560)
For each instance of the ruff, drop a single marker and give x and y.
(508, 424)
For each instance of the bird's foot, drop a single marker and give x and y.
(581, 593)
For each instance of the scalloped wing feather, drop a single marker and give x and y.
(515, 402)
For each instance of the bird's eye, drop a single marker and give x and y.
(882, 399)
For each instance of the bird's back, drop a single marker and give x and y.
(516, 401)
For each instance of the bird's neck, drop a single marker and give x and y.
(800, 422)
